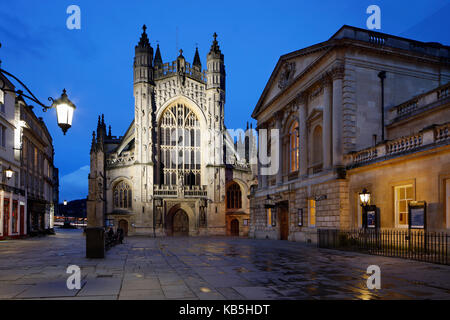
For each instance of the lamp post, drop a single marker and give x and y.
(64, 107)
(64, 111)
(65, 212)
(364, 196)
(9, 173)
(370, 215)
(269, 206)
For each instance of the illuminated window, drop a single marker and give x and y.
(403, 195)
(312, 212)
(122, 196)
(269, 216)
(294, 142)
(179, 146)
(234, 196)
(3, 136)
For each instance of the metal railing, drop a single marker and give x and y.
(408, 244)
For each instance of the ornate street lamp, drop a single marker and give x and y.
(364, 197)
(9, 173)
(64, 107)
(369, 212)
(269, 205)
(65, 202)
(64, 111)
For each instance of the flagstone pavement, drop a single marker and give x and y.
(208, 268)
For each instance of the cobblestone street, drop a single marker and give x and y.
(208, 268)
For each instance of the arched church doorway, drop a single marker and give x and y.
(180, 223)
(234, 227)
(124, 225)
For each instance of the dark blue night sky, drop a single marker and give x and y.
(94, 64)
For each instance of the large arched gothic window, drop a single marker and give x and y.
(294, 147)
(179, 146)
(234, 196)
(122, 195)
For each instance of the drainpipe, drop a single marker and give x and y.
(382, 76)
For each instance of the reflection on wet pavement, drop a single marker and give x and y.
(209, 268)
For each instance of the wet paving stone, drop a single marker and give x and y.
(208, 268)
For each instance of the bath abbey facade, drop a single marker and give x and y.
(176, 170)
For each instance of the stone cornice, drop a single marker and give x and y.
(301, 98)
(337, 72)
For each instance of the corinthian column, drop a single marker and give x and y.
(326, 127)
(302, 114)
(338, 75)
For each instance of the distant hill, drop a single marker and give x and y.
(74, 208)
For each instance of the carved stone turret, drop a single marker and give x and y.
(143, 59)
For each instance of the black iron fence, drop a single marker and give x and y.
(419, 245)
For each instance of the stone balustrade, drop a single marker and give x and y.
(176, 191)
(429, 137)
(404, 144)
(419, 103)
(126, 158)
(364, 155)
(442, 133)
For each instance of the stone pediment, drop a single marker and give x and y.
(287, 70)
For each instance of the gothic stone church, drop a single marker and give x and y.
(176, 170)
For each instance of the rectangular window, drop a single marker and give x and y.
(269, 217)
(312, 212)
(403, 195)
(3, 137)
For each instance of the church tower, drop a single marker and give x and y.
(144, 133)
(183, 148)
(143, 59)
(215, 96)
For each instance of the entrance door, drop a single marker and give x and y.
(235, 227)
(180, 225)
(284, 223)
(6, 217)
(124, 225)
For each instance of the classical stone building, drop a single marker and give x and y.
(38, 176)
(13, 204)
(361, 110)
(28, 198)
(176, 170)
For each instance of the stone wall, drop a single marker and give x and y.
(331, 212)
(425, 171)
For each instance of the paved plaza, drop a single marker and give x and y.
(208, 268)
